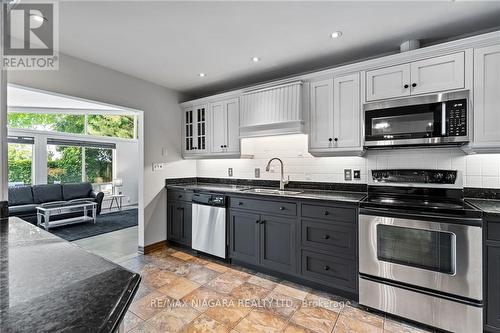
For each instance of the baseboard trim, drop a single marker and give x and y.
(151, 247)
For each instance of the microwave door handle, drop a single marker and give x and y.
(443, 118)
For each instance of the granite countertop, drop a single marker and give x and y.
(488, 206)
(48, 284)
(342, 196)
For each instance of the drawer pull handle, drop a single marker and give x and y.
(327, 212)
(327, 268)
(180, 196)
(326, 236)
(282, 208)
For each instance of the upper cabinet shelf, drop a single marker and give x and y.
(272, 111)
(419, 77)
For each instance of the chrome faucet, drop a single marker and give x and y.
(283, 181)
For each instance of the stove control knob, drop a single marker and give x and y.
(437, 177)
(450, 178)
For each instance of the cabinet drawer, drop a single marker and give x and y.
(340, 238)
(329, 213)
(179, 195)
(493, 229)
(329, 270)
(272, 207)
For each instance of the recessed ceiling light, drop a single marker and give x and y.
(201, 75)
(255, 59)
(38, 18)
(336, 34)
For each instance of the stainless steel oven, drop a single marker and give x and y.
(439, 119)
(426, 268)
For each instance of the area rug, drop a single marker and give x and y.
(105, 223)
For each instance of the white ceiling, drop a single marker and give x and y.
(169, 43)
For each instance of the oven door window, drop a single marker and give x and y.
(426, 249)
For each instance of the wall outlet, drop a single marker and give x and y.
(347, 174)
(230, 172)
(357, 174)
(159, 166)
(257, 172)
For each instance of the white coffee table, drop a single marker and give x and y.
(46, 212)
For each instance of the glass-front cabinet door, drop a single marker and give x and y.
(195, 129)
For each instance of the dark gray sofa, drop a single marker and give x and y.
(23, 200)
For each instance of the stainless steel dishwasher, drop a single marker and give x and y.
(209, 224)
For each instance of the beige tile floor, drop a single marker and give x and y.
(181, 292)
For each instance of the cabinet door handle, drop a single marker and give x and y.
(221, 146)
(225, 146)
(330, 139)
(406, 86)
(180, 196)
(262, 222)
(240, 203)
(326, 268)
(326, 236)
(327, 212)
(282, 208)
(257, 222)
(336, 139)
(413, 85)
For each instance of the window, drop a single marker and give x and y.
(70, 161)
(54, 122)
(98, 165)
(64, 164)
(20, 160)
(117, 126)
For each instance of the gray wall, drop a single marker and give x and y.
(162, 130)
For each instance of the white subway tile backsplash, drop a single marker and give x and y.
(474, 170)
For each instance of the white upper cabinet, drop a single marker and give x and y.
(347, 111)
(487, 98)
(438, 74)
(335, 116)
(195, 130)
(224, 132)
(388, 82)
(419, 77)
(272, 110)
(321, 114)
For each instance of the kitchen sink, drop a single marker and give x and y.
(272, 191)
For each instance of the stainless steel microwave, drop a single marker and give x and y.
(440, 119)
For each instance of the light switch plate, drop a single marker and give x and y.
(257, 172)
(357, 174)
(230, 172)
(347, 174)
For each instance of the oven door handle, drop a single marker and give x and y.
(474, 222)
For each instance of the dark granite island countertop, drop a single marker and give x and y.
(50, 285)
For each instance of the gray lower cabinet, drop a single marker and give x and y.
(263, 240)
(244, 236)
(277, 243)
(492, 274)
(179, 222)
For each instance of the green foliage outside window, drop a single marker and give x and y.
(64, 164)
(110, 125)
(47, 122)
(19, 161)
(99, 165)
